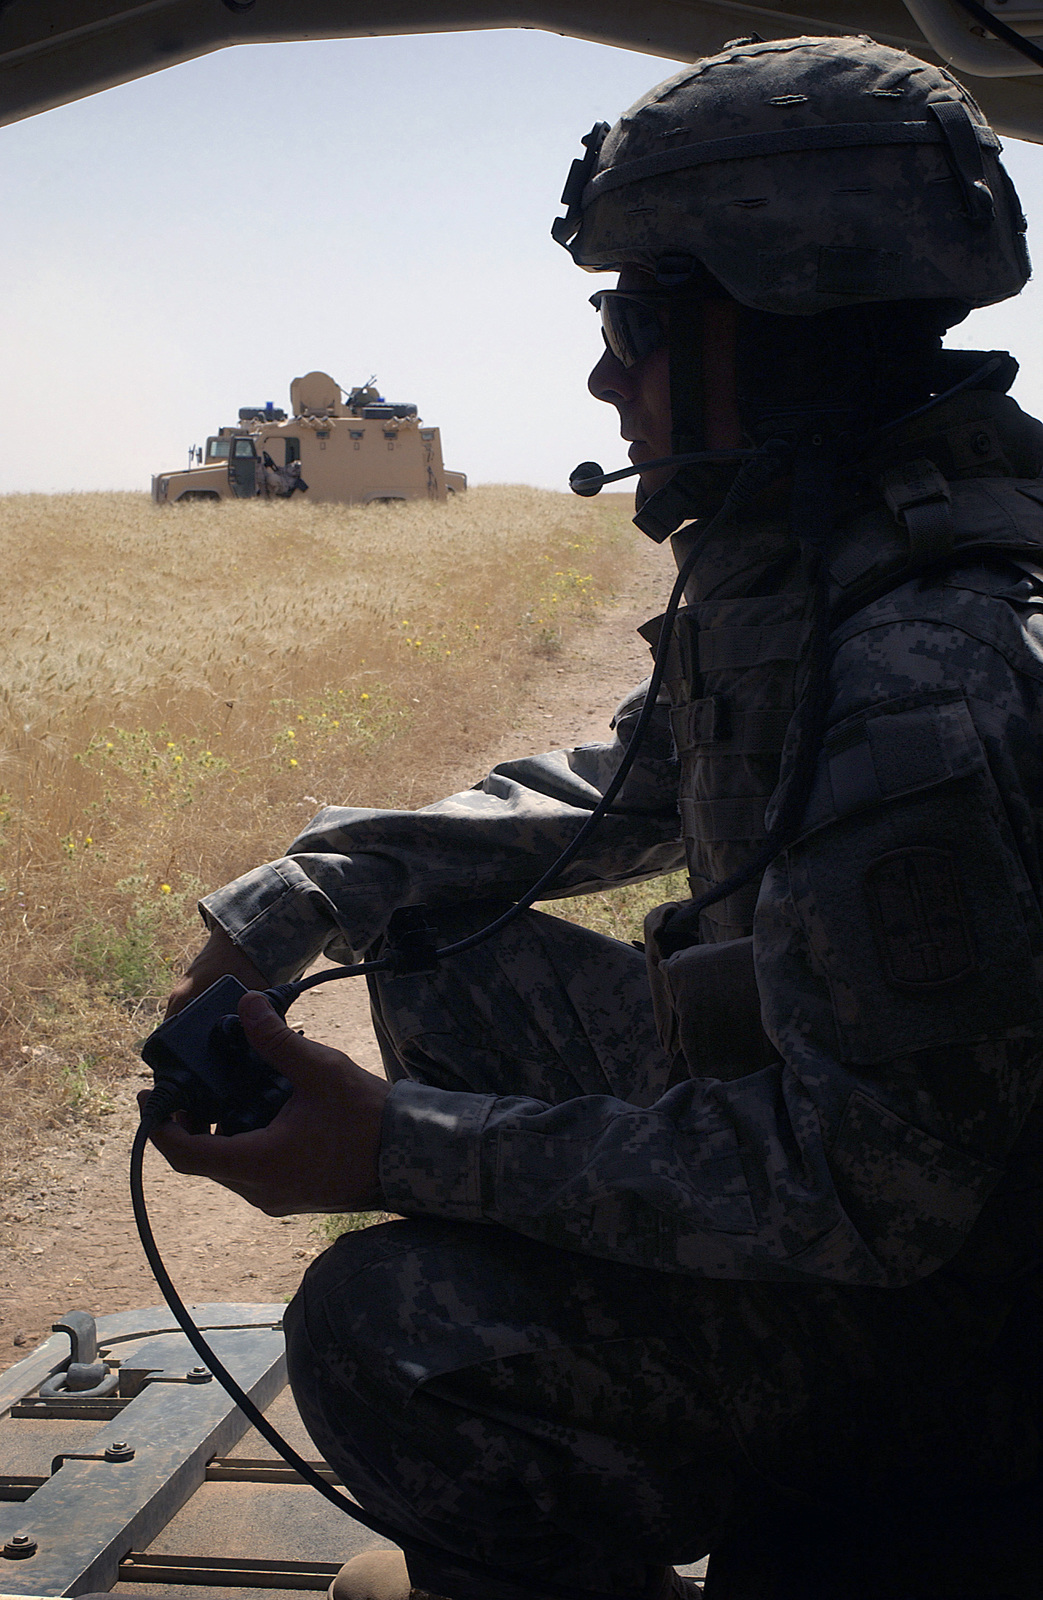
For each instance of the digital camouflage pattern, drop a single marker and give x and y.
(804, 174)
(577, 1420)
(898, 1084)
(735, 670)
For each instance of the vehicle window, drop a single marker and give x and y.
(244, 447)
(293, 450)
(217, 449)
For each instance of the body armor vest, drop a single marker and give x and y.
(738, 659)
(734, 673)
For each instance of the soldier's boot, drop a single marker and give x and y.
(382, 1575)
(374, 1575)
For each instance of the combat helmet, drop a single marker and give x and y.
(803, 174)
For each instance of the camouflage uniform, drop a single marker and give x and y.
(649, 1272)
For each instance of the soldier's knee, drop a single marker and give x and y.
(366, 1284)
(334, 1323)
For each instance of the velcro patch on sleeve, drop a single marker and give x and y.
(919, 919)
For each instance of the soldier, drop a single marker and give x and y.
(763, 1228)
(281, 482)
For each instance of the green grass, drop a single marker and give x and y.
(327, 1229)
(620, 913)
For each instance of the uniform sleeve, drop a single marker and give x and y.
(343, 876)
(899, 955)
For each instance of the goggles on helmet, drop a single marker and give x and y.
(632, 322)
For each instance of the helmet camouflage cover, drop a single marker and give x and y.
(803, 174)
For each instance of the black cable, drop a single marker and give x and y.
(299, 985)
(165, 1103)
(195, 1338)
(984, 371)
(1002, 30)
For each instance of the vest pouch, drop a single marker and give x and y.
(706, 1004)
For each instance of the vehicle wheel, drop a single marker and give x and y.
(196, 494)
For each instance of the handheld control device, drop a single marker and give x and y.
(202, 1056)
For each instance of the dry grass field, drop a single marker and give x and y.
(181, 688)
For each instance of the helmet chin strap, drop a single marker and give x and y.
(702, 408)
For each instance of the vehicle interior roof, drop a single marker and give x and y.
(54, 51)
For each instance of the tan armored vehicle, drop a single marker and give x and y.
(355, 450)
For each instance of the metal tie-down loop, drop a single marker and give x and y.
(83, 1374)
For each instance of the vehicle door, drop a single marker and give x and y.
(242, 468)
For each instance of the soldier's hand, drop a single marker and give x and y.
(218, 958)
(318, 1154)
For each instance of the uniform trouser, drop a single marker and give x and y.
(578, 1420)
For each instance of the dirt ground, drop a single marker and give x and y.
(67, 1237)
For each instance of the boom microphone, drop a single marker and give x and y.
(588, 479)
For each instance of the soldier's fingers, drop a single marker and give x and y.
(208, 1155)
(304, 1061)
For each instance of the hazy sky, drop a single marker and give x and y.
(185, 245)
